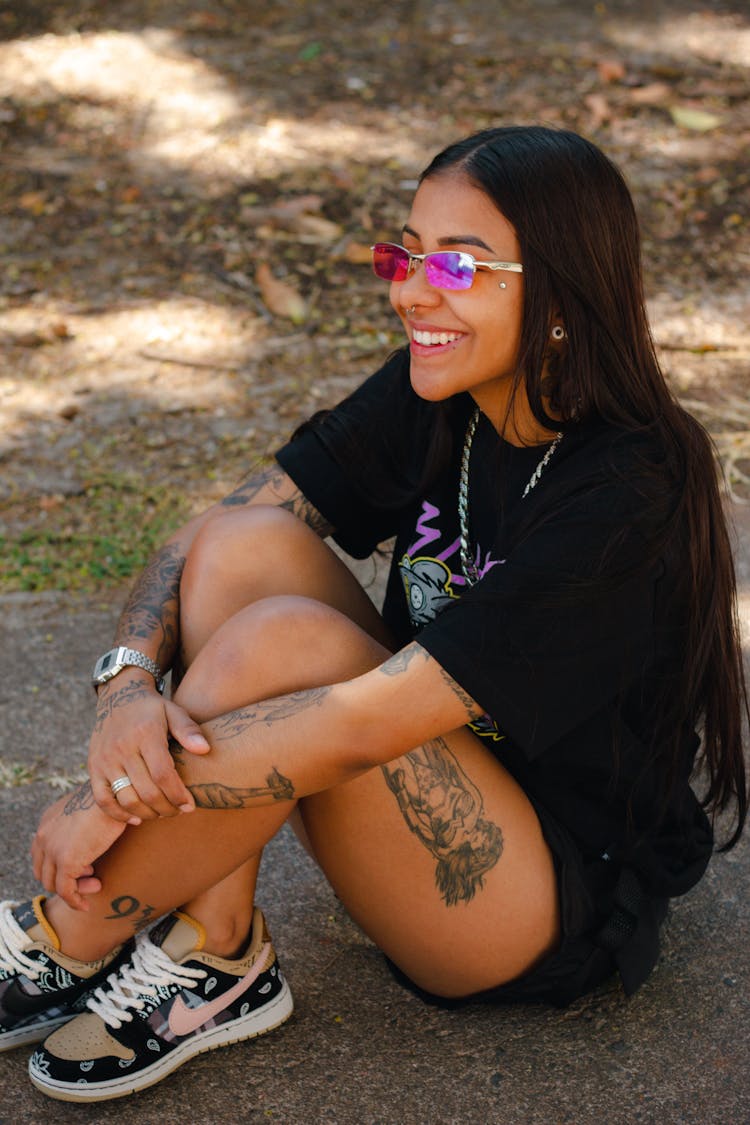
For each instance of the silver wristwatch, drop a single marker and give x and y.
(116, 659)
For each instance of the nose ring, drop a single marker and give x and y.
(411, 311)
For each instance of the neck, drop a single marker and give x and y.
(512, 417)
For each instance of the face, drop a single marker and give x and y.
(483, 323)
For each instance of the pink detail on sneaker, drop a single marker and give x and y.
(184, 1020)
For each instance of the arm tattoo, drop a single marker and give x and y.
(301, 507)
(246, 492)
(444, 810)
(267, 711)
(401, 660)
(473, 711)
(81, 798)
(215, 795)
(273, 477)
(109, 701)
(153, 604)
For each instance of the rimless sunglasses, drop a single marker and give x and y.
(444, 269)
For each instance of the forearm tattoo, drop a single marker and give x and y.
(444, 810)
(216, 795)
(153, 606)
(266, 711)
(400, 661)
(111, 697)
(82, 798)
(273, 478)
(473, 711)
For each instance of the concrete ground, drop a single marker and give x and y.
(359, 1048)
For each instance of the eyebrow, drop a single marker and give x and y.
(453, 239)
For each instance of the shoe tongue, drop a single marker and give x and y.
(30, 917)
(178, 935)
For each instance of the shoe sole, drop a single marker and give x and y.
(34, 1033)
(264, 1019)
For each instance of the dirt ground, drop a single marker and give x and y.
(188, 191)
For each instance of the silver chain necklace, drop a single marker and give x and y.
(468, 566)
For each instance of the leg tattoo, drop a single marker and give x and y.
(444, 810)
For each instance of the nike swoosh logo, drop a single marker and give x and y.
(183, 1020)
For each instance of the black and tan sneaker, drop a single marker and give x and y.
(168, 1002)
(39, 985)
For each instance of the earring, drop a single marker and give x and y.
(558, 332)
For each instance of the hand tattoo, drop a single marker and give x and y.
(443, 809)
(216, 795)
(82, 798)
(109, 701)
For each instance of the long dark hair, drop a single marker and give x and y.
(578, 233)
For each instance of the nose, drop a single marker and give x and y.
(416, 290)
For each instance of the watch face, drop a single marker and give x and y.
(106, 661)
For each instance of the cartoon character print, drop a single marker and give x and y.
(427, 585)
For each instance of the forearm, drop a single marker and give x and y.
(308, 741)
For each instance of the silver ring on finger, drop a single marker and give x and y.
(120, 783)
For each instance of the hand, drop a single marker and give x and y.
(71, 835)
(130, 739)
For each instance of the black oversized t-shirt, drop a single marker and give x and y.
(564, 641)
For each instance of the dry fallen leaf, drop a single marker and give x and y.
(358, 253)
(610, 70)
(697, 119)
(600, 111)
(653, 94)
(282, 299)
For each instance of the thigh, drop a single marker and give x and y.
(440, 858)
(244, 555)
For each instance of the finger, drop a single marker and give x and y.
(66, 886)
(163, 771)
(185, 730)
(144, 797)
(89, 885)
(106, 800)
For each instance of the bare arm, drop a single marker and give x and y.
(132, 721)
(297, 744)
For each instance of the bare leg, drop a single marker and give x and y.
(241, 558)
(439, 856)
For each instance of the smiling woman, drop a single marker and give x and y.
(493, 770)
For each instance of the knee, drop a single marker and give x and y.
(235, 550)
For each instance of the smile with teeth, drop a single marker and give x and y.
(432, 339)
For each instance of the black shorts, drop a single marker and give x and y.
(608, 925)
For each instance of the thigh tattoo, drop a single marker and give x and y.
(444, 810)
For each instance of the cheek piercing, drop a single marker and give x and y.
(503, 285)
(558, 332)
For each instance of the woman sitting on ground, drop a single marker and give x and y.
(493, 774)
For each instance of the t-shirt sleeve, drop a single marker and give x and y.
(358, 463)
(565, 624)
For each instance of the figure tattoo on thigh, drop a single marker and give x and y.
(444, 810)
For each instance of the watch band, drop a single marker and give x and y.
(112, 662)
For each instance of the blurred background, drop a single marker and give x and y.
(188, 191)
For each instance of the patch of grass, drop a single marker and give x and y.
(94, 540)
(13, 774)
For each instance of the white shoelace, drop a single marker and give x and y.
(12, 941)
(148, 969)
